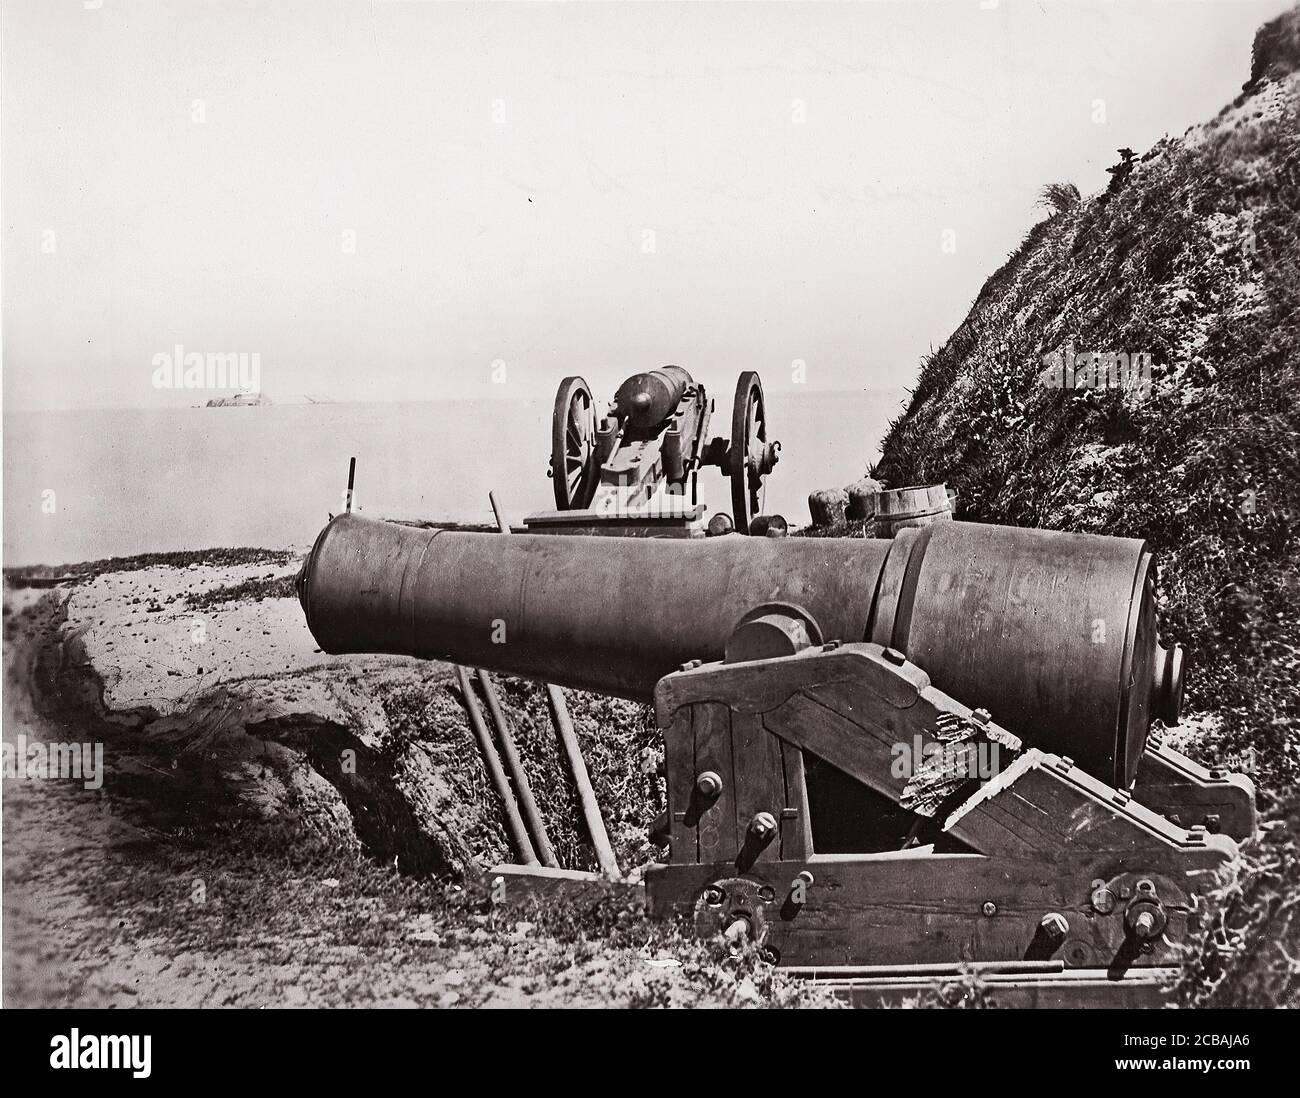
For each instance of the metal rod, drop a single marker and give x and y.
(352, 477)
(586, 794)
(573, 752)
(514, 825)
(515, 766)
(502, 525)
(876, 972)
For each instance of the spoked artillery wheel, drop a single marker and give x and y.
(751, 457)
(574, 468)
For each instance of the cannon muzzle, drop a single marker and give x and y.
(1054, 633)
(649, 399)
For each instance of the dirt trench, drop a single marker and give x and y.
(380, 757)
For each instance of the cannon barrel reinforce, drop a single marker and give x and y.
(1054, 633)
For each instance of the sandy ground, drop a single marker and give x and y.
(154, 651)
(177, 883)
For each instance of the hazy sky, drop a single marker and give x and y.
(385, 199)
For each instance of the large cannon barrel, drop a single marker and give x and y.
(1054, 633)
(613, 615)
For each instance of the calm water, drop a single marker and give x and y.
(147, 480)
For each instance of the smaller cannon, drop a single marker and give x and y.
(640, 460)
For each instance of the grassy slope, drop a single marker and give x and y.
(1193, 255)
(614, 734)
(1195, 258)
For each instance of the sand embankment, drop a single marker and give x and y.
(209, 665)
(281, 827)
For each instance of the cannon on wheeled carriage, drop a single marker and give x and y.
(633, 470)
(828, 707)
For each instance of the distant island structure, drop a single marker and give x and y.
(256, 400)
(239, 400)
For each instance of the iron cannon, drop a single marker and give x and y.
(1054, 632)
(821, 700)
(641, 459)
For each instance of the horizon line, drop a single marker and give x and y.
(301, 403)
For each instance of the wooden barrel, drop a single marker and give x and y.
(899, 508)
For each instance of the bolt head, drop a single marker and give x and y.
(1103, 900)
(709, 784)
(1055, 924)
(713, 896)
(989, 908)
(894, 656)
(763, 827)
(1145, 919)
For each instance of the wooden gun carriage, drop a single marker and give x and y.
(886, 761)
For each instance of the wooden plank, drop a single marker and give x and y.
(760, 785)
(523, 884)
(1170, 783)
(796, 823)
(1041, 805)
(845, 725)
(1073, 989)
(716, 820)
(913, 907)
(669, 518)
(679, 765)
(764, 684)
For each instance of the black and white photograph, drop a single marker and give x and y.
(651, 505)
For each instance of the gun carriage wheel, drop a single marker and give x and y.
(750, 457)
(575, 469)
